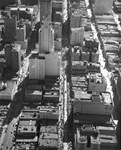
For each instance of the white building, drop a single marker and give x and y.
(52, 64)
(46, 37)
(37, 67)
(44, 64)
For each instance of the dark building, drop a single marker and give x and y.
(45, 9)
(13, 56)
(4, 3)
(57, 11)
(29, 2)
(8, 56)
(10, 29)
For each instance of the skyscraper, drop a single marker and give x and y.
(46, 37)
(102, 7)
(16, 57)
(10, 29)
(21, 33)
(37, 67)
(45, 9)
(13, 56)
(8, 57)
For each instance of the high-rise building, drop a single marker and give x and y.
(102, 7)
(4, 3)
(21, 33)
(46, 37)
(57, 11)
(52, 64)
(57, 26)
(8, 57)
(16, 57)
(10, 25)
(58, 44)
(76, 20)
(21, 36)
(37, 67)
(13, 56)
(77, 35)
(45, 9)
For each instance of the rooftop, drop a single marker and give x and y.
(30, 10)
(27, 130)
(27, 123)
(33, 92)
(22, 141)
(103, 97)
(51, 136)
(102, 135)
(31, 115)
(48, 129)
(48, 143)
(97, 78)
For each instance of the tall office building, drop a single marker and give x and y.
(4, 3)
(21, 33)
(52, 64)
(21, 36)
(8, 57)
(76, 20)
(16, 57)
(57, 26)
(46, 37)
(10, 25)
(77, 35)
(45, 9)
(102, 7)
(13, 56)
(37, 67)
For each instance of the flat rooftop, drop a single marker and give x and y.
(83, 96)
(48, 129)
